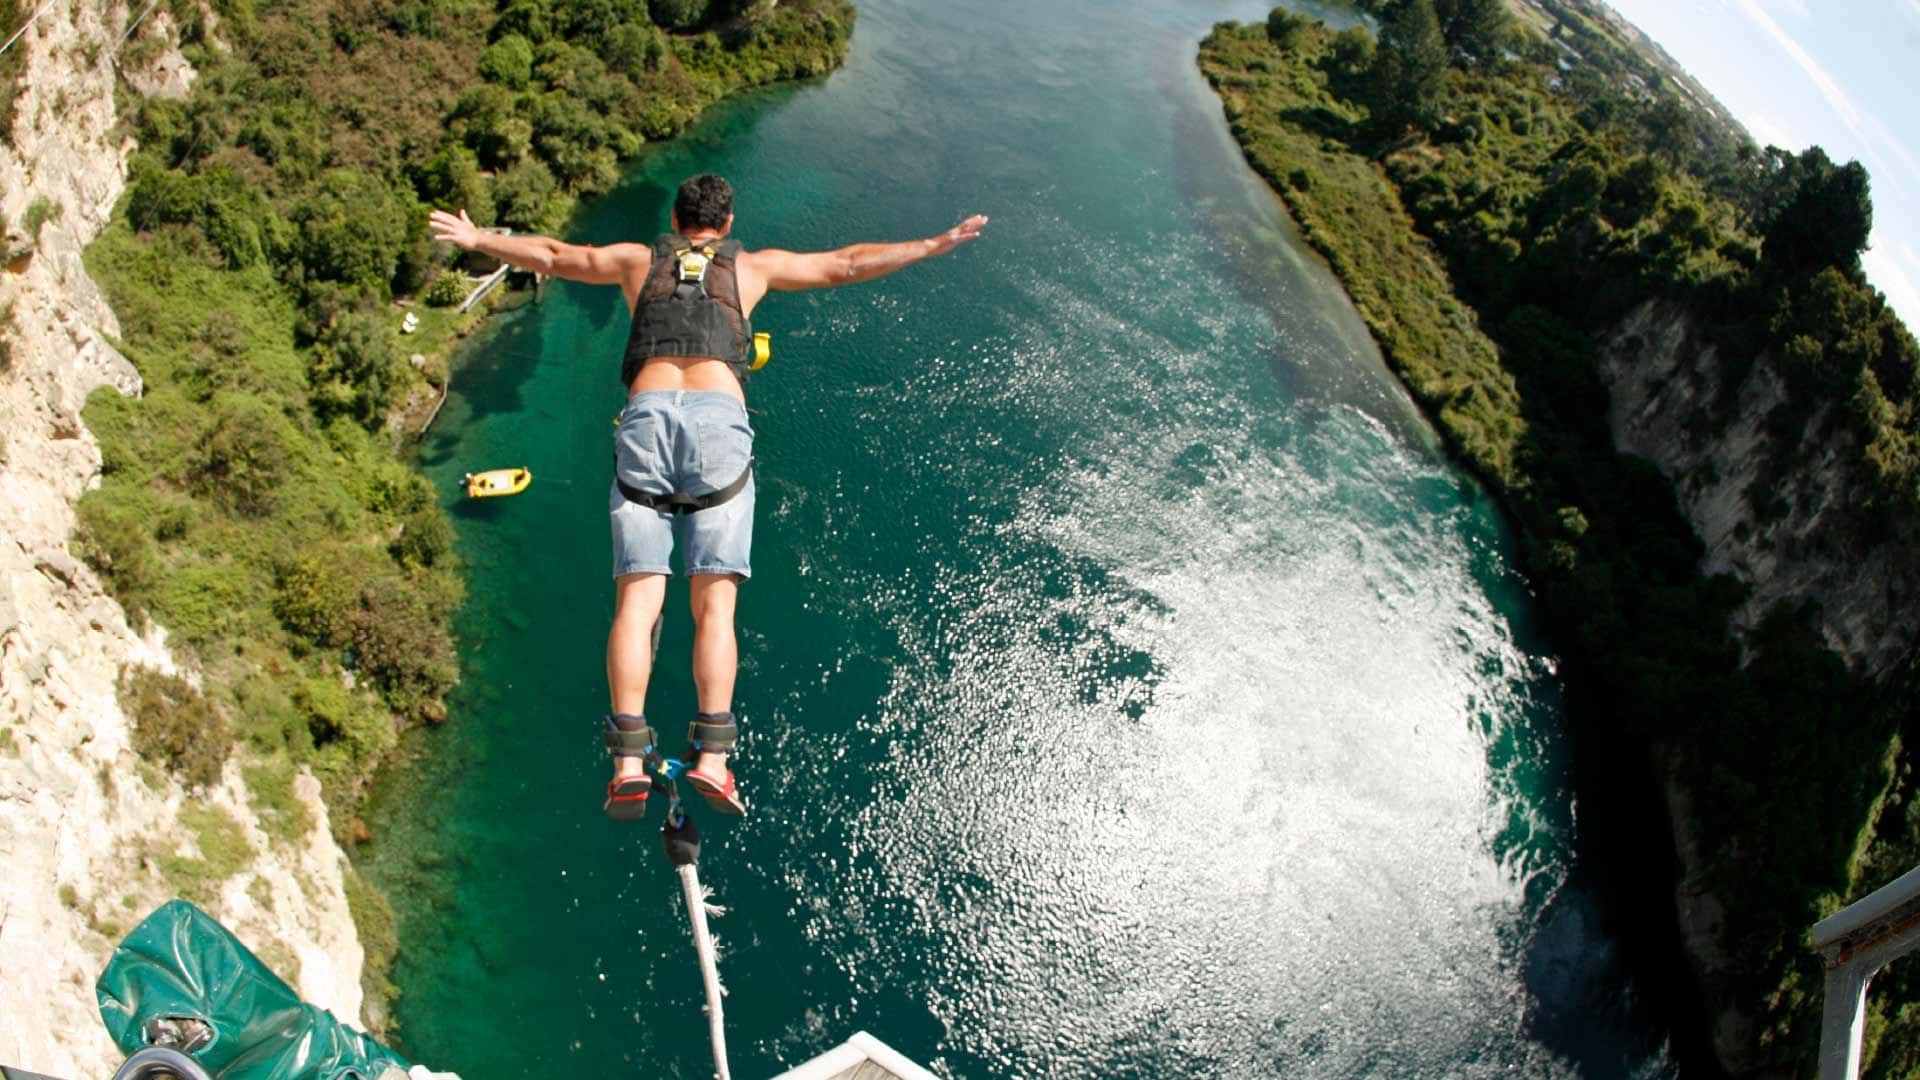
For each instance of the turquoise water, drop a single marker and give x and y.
(1131, 687)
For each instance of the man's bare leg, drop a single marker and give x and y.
(716, 655)
(636, 607)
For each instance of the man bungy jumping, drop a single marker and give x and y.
(683, 453)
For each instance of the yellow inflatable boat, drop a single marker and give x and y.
(495, 483)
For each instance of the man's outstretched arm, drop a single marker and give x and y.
(792, 270)
(608, 265)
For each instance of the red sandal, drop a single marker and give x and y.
(714, 733)
(627, 795)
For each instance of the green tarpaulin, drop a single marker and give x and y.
(181, 963)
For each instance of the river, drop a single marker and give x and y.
(1131, 685)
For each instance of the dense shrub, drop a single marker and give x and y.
(1285, 29)
(175, 726)
(243, 459)
(508, 61)
(677, 14)
(447, 290)
(13, 64)
(116, 539)
(357, 368)
(401, 643)
(425, 538)
(317, 595)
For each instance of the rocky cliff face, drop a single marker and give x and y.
(1780, 508)
(1811, 542)
(85, 826)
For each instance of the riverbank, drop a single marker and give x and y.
(256, 499)
(1524, 258)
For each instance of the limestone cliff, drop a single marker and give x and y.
(1779, 503)
(85, 827)
(1810, 538)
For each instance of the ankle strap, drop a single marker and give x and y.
(714, 732)
(629, 736)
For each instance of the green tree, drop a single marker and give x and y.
(1409, 70)
(633, 48)
(524, 194)
(353, 228)
(243, 460)
(426, 539)
(1352, 51)
(530, 19)
(1826, 222)
(1672, 131)
(678, 14)
(593, 20)
(487, 120)
(1476, 31)
(508, 61)
(358, 368)
(451, 178)
(1284, 28)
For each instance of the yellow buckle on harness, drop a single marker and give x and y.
(762, 351)
(693, 264)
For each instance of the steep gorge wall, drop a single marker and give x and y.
(86, 828)
(1814, 541)
(1779, 503)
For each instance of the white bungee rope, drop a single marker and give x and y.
(698, 908)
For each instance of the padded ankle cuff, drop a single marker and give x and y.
(629, 736)
(713, 732)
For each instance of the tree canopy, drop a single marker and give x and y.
(1409, 75)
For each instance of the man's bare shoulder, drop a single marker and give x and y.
(626, 251)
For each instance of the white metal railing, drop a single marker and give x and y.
(1858, 941)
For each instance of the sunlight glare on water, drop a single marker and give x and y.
(1296, 783)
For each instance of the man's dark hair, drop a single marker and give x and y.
(704, 202)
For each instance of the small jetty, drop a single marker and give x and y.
(862, 1057)
(494, 277)
(485, 286)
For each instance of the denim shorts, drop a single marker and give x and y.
(689, 441)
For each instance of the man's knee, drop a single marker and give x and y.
(712, 598)
(639, 597)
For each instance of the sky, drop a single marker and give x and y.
(1840, 74)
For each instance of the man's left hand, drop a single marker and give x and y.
(459, 231)
(959, 234)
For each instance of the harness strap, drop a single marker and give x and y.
(680, 502)
(629, 736)
(713, 732)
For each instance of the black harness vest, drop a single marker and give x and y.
(690, 306)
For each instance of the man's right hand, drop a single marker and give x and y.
(459, 231)
(959, 234)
